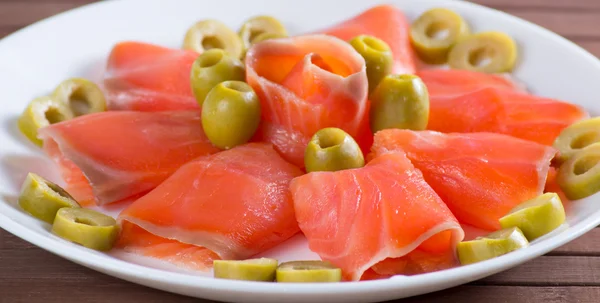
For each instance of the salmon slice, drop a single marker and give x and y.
(146, 77)
(230, 205)
(141, 242)
(501, 111)
(387, 23)
(450, 82)
(304, 84)
(480, 176)
(110, 156)
(376, 221)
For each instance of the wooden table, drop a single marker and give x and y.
(568, 274)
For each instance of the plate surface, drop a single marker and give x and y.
(76, 43)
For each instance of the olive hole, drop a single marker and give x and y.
(53, 115)
(211, 42)
(437, 31)
(585, 164)
(585, 140)
(254, 33)
(85, 221)
(58, 190)
(481, 57)
(328, 139)
(237, 86)
(375, 44)
(209, 59)
(318, 61)
(78, 102)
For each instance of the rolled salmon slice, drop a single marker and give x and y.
(146, 77)
(304, 84)
(507, 112)
(376, 221)
(111, 156)
(230, 205)
(480, 176)
(387, 23)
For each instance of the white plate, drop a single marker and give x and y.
(76, 43)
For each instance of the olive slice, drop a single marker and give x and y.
(332, 149)
(493, 245)
(40, 113)
(86, 227)
(209, 34)
(262, 269)
(256, 26)
(576, 137)
(42, 198)
(82, 96)
(267, 36)
(579, 177)
(435, 32)
(487, 52)
(307, 272)
(536, 217)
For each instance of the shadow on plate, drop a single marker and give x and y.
(12, 200)
(16, 167)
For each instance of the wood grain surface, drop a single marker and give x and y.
(569, 274)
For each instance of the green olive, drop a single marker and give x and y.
(40, 113)
(377, 55)
(493, 245)
(256, 26)
(536, 217)
(42, 198)
(400, 101)
(267, 36)
(579, 177)
(86, 227)
(230, 114)
(262, 269)
(211, 68)
(209, 34)
(487, 52)
(308, 272)
(332, 149)
(435, 32)
(576, 137)
(82, 96)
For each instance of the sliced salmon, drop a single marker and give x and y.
(110, 156)
(449, 82)
(513, 113)
(387, 23)
(306, 83)
(480, 176)
(376, 221)
(230, 205)
(147, 77)
(139, 241)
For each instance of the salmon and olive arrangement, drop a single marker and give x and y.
(379, 139)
